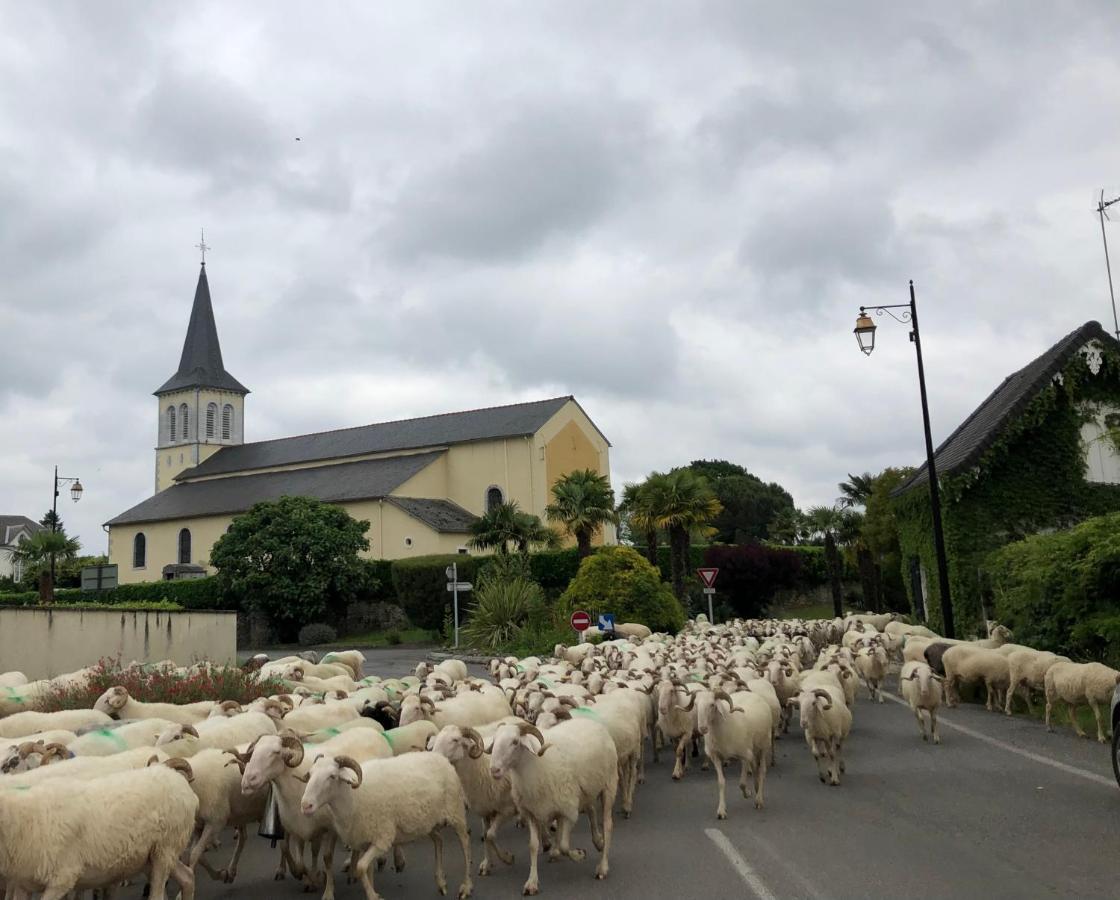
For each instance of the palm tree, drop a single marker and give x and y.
(681, 501)
(856, 490)
(835, 526)
(582, 501)
(40, 552)
(505, 524)
(788, 526)
(636, 506)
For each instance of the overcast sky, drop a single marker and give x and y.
(670, 210)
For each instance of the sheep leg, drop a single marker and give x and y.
(1071, 708)
(744, 772)
(608, 829)
(1101, 737)
(759, 780)
(921, 723)
(489, 823)
(466, 888)
(682, 758)
(229, 873)
(310, 875)
(721, 810)
(596, 828)
(208, 832)
(184, 877)
(365, 871)
(575, 855)
(533, 885)
(1010, 697)
(398, 858)
(628, 786)
(1049, 707)
(933, 726)
(328, 868)
(437, 847)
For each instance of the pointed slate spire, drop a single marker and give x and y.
(201, 362)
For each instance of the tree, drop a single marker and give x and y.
(789, 527)
(750, 506)
(880, 536)
(835, 526)
(582, 501)
(856, 490)
(504, 525)
(750, 574)
(636, 508)
(294, 559)
(681, 501)
(52, 521)
(40, 552)
(619, 580)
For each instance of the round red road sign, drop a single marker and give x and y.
(581, 621)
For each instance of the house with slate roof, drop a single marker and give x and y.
(419, 482)
(14, 530)
(1041, 453)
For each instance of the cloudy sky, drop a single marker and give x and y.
(670, 210)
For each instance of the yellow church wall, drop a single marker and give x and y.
(472, 469)
(162, 540)
(429, 482)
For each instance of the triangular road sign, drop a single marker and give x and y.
(708, 576)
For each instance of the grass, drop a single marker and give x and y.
(386, 638)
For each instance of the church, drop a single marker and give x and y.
(419, 482)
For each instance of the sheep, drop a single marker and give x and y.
(921, 688)
(107, 741)
(410, 738)
(632, 630)
(901, 629)
(871, 663)
(878, 621)
(218, 734)
(22, 697)
(575, 771)
(454, 669)
(381, 804)
(67, 834)
(623, 715)
(676, 721)
(470, 710)
(25, 723)
(914, 649)
(31, 755)
(742, 731)
(933, 653)
(325, 734)
(88, 767)
(306, 719)
(1027, 669)
(1076, 683)
(117, 704)
(354, 660)
(826, 721)
(487, 796)
(12, 679)
(965, 662)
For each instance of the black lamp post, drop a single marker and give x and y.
(75, 495)
(865, 335)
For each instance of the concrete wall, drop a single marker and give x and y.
(47, 642)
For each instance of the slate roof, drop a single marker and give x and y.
(9, 525)
(439, 515)
(201, 362)
(964, 447)
(364, 480)
(406, 434)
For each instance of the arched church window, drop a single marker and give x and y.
(494, 498)
(211, 416)
(184, 421)
(171, 433)
(227, 422)
(185, 545)
(139, 551)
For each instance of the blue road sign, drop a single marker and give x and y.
(606, 621)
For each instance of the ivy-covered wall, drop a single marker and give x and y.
(1031, 479)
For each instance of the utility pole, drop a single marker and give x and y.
(1102, 207)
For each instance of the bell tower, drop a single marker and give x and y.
(201, 407)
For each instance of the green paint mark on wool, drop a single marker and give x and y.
(333, 732)
(542, 680)
(115, 739)
(585, 711)
(385, 735)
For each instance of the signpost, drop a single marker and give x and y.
(455, 586)
(708, 576)
(581, 621)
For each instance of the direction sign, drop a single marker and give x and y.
(708, 576)
(581, 621)
(460, 586)
(606, 621)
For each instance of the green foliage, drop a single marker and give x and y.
(618, 580)
(856, 491)
(750, 505)
(583, 502)
(421, 586)
(880, 535)
(553, 570)
(505, 526)
(750, 574)
(194, 593)
(150, 684)
(295, 559)
(680, 502)
(317, 633)
(1061, 591)
(377, 581)
(501, 608)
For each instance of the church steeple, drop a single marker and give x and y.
(201, 366)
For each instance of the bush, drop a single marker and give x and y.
(554, 570)
(317, 633)
(501, 609)
(619, 580)
(750, 574)
(421, 586)
(151, 685)
(193, 593)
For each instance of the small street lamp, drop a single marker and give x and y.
(75, 495)
(865, 335)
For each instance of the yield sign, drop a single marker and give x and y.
(708, 576)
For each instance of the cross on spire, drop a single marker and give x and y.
(202, 245)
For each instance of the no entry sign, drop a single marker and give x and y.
(581, 621)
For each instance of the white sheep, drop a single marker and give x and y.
(466, 710)
(623, 714)
(117, 704)
(871, 663)
(25, 723)
(1077, 683)
(354, 660)
(969, 662)
(487, 796)
(1027, 671)
(921, 688)
(217, 734)
(410, 738)
(454, 669)
(826, 721)
(65, 834)
(575, 772)
(676, 719)
(314, 717)
(736, 727)
(130, 735)
(89, 767)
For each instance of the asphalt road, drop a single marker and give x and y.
(1000, 809)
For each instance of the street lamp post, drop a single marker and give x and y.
(865, 335)
(75, 494)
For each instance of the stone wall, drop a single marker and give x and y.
(42, 642)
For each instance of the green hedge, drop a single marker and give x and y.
(421, 586)
(198, 593)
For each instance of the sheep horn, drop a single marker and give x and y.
(28, 747)
(476, 739)
(236, 761)
(53, 750)
(230, 704)
(188, 729)
(691, 703)
(535, 732)
(289, 741)
(347, 762)
(182, 767)
(304, 778)
(824, 695)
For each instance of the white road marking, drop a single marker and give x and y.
(791, 871)
(1019, 751)
(739, 864)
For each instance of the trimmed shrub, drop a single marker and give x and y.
(500, 610)
(421, 586)
(619, 580)
(554, 570)
(194, 593)
(317, 633)
(750, 574)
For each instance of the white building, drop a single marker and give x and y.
(14, 530)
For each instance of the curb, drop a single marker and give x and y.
(440, 655)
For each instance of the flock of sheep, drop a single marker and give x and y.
(93, 798)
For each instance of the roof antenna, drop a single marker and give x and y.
(203, 247)
(1102, 211)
